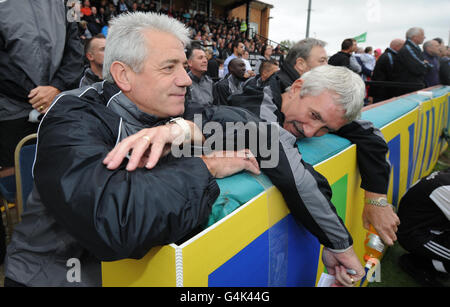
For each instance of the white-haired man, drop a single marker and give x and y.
(410, 65)
(308, 54)
(98, 206)
(88, 205)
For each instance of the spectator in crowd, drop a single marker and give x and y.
(94, 50)
(410, 66)
(384, 72)
(201, 90)
(266, 54)
(431, 53)
(267, 69)
(425, 229)
(139, 106)
(371, 146)
(85, 33)
(95, 24)
(377, 53)
(31, 76)
(221, 68)
(232, 84)
(444, 72)
(302, 57)
(122, 7)
(248, 67)
(213, 65)
(238, 51)
(86, 8)
(368, 58)
(362, 60)
(342, 58)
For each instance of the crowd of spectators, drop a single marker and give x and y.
(404, 67)
(216, 33)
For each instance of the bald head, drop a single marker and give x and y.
(397, 44)
(237, 68)
(432, 48)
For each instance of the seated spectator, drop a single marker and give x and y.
(425, 229)
(84, 30)
(221, 69)
(302, 57)
(93, 207)
(213, 65)
(122, 7)
(238, 52)
(94, 23)
(232, 84)
(248, 67)
(201, 90)
(268, 68)
(266, 54)
(431, 54)
(86, 8)
(94, 51)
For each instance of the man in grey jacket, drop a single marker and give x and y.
(39, 58)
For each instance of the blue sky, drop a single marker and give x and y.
(335, 20)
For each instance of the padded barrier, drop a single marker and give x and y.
(252, 240)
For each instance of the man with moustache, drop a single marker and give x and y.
(270, 103)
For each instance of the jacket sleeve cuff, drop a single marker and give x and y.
(59, 84)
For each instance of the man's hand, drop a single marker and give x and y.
(383, 219)
(148, 146)
(338, 263)
(226, 163)
(41, 97)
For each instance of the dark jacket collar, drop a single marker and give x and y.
(287, 75)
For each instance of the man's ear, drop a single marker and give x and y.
(189, 62)
(296, 87)
(121, 74)
(89, 56)
(300, 66)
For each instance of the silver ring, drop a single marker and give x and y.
(147, 138)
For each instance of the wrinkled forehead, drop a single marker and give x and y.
(161, 42)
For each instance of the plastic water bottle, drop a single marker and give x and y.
(374, 250)
(373, 244)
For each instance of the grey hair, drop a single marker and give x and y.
(126, 42)
(413, 32)
(348, 86)
(302, 49)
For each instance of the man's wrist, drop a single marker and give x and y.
(379, 202)
(180, 131)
